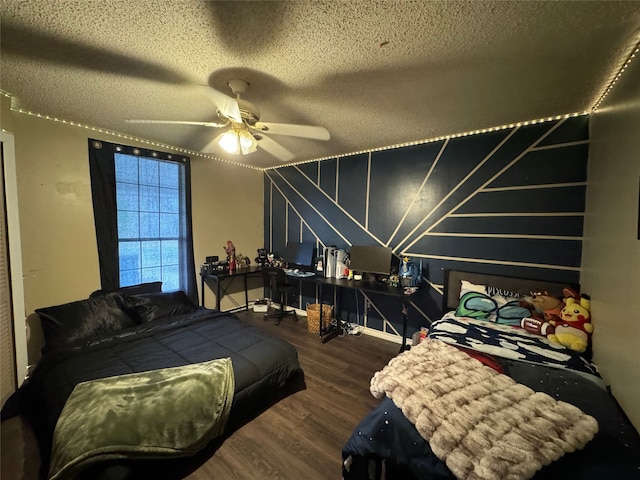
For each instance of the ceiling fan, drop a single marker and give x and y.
(245, 131)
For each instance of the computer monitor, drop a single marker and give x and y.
(370, 259)
(300, 254)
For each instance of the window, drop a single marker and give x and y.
(142, 210)
(151, 220)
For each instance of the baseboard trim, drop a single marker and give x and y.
(383, 335)
(366, 330)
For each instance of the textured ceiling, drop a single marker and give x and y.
(374, 73)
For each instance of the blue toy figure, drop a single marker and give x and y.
(410, 274)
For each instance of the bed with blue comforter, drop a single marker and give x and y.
(425, 428)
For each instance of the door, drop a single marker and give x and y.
(8, 379)
(13, 328)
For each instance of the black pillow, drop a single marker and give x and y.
(150, 306)
(139, 289)
(83, 319)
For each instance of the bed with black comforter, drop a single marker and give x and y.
(481, 400)
(140, 386)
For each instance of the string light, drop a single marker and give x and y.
(437, 139)
(617, 77)
(132, 138)
(379, 149)
(608, 89)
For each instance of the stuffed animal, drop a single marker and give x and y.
(574, 328)
(547, 306)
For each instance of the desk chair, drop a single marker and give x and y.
(277, 281)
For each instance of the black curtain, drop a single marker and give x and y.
(103, 188)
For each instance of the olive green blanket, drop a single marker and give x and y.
(161, 413)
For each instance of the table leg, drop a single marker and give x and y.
(404, 346)
(246, 293)
(332, 332)
(202, 291)
(217, 293)
(320, 296)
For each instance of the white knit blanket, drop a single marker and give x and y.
(481, 423)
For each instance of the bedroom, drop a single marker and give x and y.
(54, 198)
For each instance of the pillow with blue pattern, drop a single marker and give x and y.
(485, 302)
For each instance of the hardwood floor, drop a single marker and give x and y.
(300, 437)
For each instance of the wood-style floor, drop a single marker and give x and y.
(300, 437)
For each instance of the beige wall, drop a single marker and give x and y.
(611, 248)
(5, 113)
(60, 259)
(227, 205)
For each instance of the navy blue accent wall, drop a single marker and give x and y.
(509, 202)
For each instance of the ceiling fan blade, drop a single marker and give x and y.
(227, 105)
(275, 149)
(180, 122)
(306, 131)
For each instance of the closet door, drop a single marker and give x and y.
(13, 321)
(7, 342)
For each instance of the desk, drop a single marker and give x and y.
(218, 277)
(365, 286)
(339, 284)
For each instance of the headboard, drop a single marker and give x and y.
(452, 280)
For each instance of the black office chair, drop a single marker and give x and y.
(276, 279)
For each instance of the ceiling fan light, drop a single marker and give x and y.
(230, 142)
(248, 144)
(238, 142)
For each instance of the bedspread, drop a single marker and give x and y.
(483, 424)
(265, 368)
(508, 342)
(160, 413)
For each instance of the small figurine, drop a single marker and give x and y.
(410, 275)
(230, 249)
(261, 259)
(242, 261)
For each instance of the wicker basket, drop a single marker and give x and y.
(313, 316)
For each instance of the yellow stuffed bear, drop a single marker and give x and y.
(574, 328)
